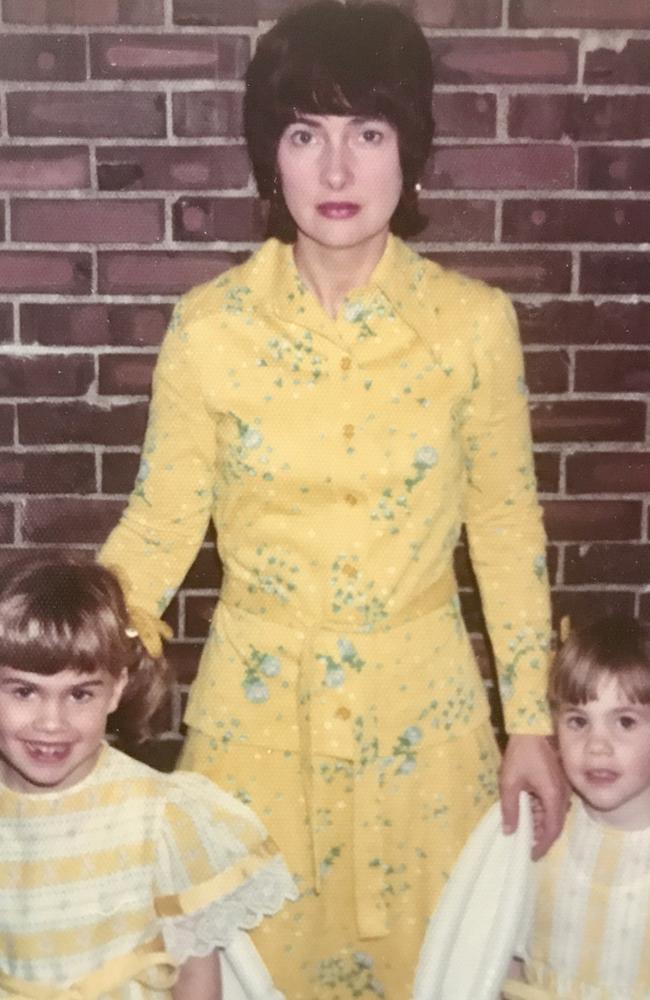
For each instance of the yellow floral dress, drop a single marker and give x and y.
(338, 693)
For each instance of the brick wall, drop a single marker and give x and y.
(123, 181)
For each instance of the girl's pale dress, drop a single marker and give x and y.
(338, 693)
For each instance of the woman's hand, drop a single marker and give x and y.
(531, 764)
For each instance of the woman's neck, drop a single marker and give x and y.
(332, 272)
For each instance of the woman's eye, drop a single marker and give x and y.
(372, 135)
(301, 137)
(22, 693)
(81, 694)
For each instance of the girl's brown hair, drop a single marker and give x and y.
(617, 647)
(60, 613)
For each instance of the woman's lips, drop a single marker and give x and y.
(338, 209)
(601, 776)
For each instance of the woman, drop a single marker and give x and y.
(339, 406)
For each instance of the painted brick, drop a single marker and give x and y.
(83, 12)
(42, 57)
(81, 423)
(583, 606)
(573, 322)
(171, 273)
(6, 424)
(496, 168)
(46, 375)
(93, 221)
(118, 471)
(88, 114)
(616, 169)
(93, 324)
(547, 371)
(44, 168)
(457, 13)
(207, 13)
(7, 517)
(588, 420)
(171, 167)
(57, 273)
(67, 520)
(125, 374)
(584, 221)
(6, 323)
(462, 114)
(524, 271)
(579, 14)
(615, 273)
(39, 472)
(462, 60)
(592, 520)
(608, 472)
(612, 371)
(207, 219)
(622, 563)
(630, 66)
(584, 118)
(208, 113)
(176, 57)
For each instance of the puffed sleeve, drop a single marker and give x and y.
(504, 520)
(217, 870)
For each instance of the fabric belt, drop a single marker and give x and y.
(515, 990)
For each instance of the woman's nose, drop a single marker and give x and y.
(337, 165)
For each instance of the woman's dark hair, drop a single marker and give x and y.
(60, 613)
(615, 647)
(330, 58)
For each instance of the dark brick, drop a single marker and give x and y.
(68, 221)
(463, 60)
(498, 168)
(93, 324)
(612, 371)
(547, 371)
(607, 563)
(457, 221)
(463, 114)
(125, 374)
(57, 273)
(575, 221)
(6, 424)
(207, 219)
(68, 520)
(644, 607)
(456, 13)
(176, 57)
(207, 13)
(161, 754)
(629, 67)
(573, 322)
(522, 271)
(90, 114)
(584, 118)
(199, 609)
(40, 472)
(44, 168)
(588, 420)
(118, 471)
(6, 323)
(583, 606)
(608, 472)
(615, 273)
(7, 518)
(42, 57)
(617, 169)
(3, 234)
(184, 657)
(81, 423)
(169, 273)
(208, 113)
(46, 375)
(592, 520)
(547, 470)
(171, 168)
(206, 571)
(579, 14)
(95, 12)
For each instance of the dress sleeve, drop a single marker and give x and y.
(167, 514)
(217, 870)
(504, 519)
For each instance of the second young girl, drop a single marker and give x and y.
(116, 881)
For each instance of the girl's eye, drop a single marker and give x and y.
(372, 135)
(81, 695)
(301, 137)
(627, 721)
(575, 721)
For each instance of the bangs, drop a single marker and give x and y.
(580, 686)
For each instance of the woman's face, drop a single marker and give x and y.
(341, 178)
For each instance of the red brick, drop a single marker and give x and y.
(644, 607)
(579, 14)
(464, 115)
(57, 273)
(206, 571)
(118, 471)
(6, 424)
(67, 520)
(125, 374)
(547, 471)
(589, 117)
(592, 520)
(605, 563)
(3, 235)
(81, 423)
(608, 472)
(173, 167)
(161, 753)
(208, 219)
(524, 271)
(612, 371)
(497, 168)
(75, 221)
(81, 12)
(570, 221)
(617, 169)
(207, 13)
(463, 60)
(176, 57)
(44, 168)
(40, 472)
(615, 273)
(6, 323)
(588, 420)
(86, 113)
(629, 67)
(457, 221)
(46, 375)
(171, 273)
(7, 517)
(573, 322)
(583, 606)
(42, 57)
(547, 371)
(184, 657)
(208, 113)
(457, 13)
(199, 609)
(93, 324)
